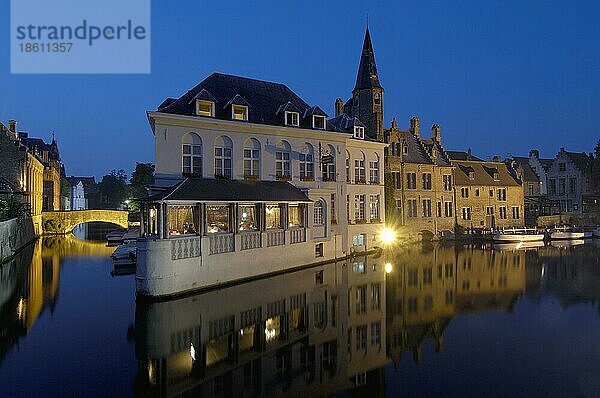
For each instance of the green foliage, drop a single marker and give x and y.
(142, 176)
(596, 168)
(65, 187)
(13, 208)
(113, 189)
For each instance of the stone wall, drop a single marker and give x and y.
(584, 219)
(14, 235)
(63, 222)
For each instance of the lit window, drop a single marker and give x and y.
(217, 218)
(239, 112)
(319, 122)
(359, 132)
(291, 118)
(319, 216)
(205, 108)
(272, 216)
(247, 218)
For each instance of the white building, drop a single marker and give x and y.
(252, 180)
(77, 197)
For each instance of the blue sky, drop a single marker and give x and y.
(498, 76)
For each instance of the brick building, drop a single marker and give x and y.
(21, 170)
(488, 194)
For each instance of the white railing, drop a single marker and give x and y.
(186, 248)
(250, 240)
(297, 235)
(221, 243)
(275, 237)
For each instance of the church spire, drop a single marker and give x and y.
(367, 69)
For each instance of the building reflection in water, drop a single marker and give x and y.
(29, 284)
(334, 328)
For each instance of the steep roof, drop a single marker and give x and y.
(220, 190)
(483, 173)
(367, 76)
(459, 155)
(581, 160)
(522, 163)
(436, 151)
(264, 100)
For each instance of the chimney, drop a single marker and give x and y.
(414, 126)
(534, 153)
(497, 158)
(394, 124)
(12, 127)
(339, 107)
(469, 154)
(436, 134)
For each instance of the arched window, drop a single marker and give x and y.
(348, 166)
(359, 169)
(329, 164)
(191, 154)
(252, 159)
(374, 170)
(307, 163)
(319, 213)
(283, 166)
(223, 162)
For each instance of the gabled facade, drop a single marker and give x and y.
(488, 195)
(569, 181)
(420, 179)
(533, 200)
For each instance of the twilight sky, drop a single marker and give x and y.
(498, 76)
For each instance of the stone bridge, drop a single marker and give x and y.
(63, 222)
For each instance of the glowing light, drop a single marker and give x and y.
(21, 309)
(192, 352)
(387, 236)
(388, 268)
(519, 245)
(244, 214)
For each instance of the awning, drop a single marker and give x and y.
(223, 190)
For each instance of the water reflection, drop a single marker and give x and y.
(334, 328)
(29, 284)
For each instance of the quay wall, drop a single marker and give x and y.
(581, 219)
(15, 234)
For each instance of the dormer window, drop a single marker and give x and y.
(471, 175)
(319, 122)
(404, 148)
(359, 132)
(292, 118)
(496, 176)
(205, 108)
(239, 112)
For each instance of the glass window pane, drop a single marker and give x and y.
(183, 220)
(273, 217)
(217, 218)
(247, 218)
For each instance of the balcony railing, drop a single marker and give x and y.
(275, 237)
(250, 240)
(186, 248)
(297, 235)
(221, 243)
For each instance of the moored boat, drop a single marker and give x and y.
(518, 235)
(510, 246)
(115, 238)
(125, 254)
(566, 233)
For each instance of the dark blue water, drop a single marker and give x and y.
(446, 322)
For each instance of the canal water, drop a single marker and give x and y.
(418, 321)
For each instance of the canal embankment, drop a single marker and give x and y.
(15, 234)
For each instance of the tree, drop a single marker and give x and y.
(113, 189)
(142, 176)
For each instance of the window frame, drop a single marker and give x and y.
(242, 107)
(200, 102)
(323, 119)
(294, 115)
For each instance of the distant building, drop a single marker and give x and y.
(534, 202)
(540, 167)
(488, 194)
(83, 193)
(570, 181)
(21, 169)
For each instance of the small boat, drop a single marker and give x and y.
(566, 233)
(115, 237)
(518, 235)
(125, 254)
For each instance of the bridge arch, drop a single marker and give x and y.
(63, 222)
